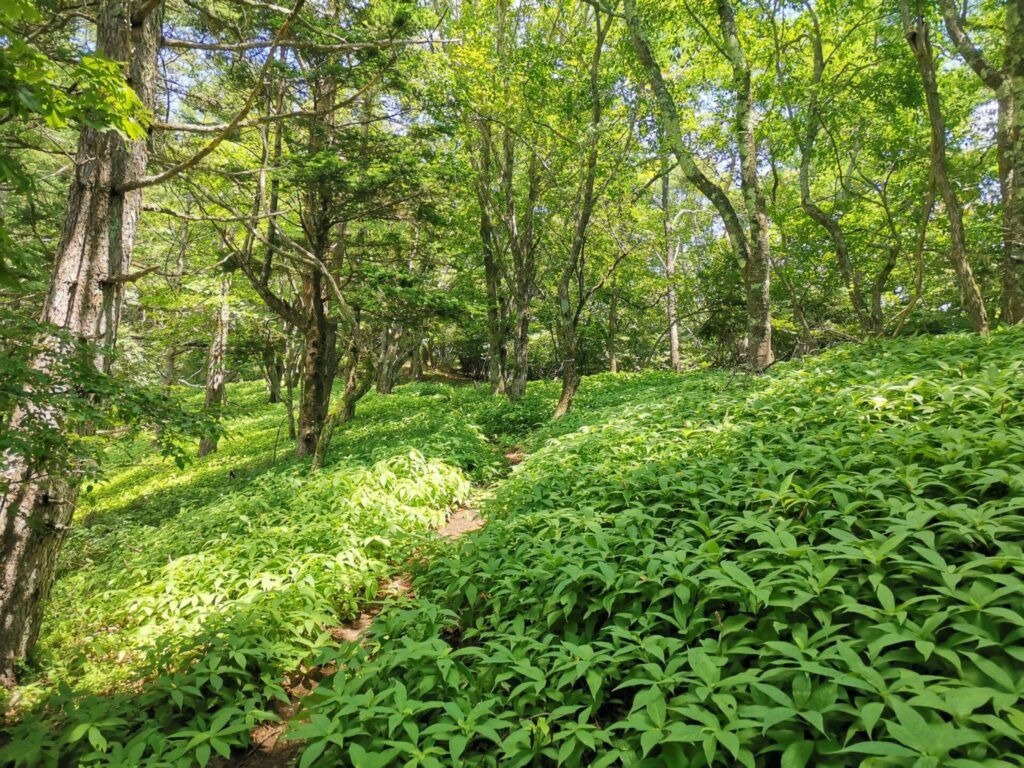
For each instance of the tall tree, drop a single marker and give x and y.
(917, 31)
(750, 246)
(1007, 84)
(91, 267)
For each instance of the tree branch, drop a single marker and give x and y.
(252, 45)
(170, 173)
(971, 53)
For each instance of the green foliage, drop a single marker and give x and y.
(820, 566)
(223, 594)
(74, 403)
(38, 86)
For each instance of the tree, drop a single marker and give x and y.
(750, 248)
(1007, 84)
(91, 268)
(917, 32)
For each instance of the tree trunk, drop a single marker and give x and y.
(851, 278)
(1007, 84)
(522, 243)
(757, 270)
(670, 274)
(293, 353)
(572, 271)
(916, 31)
(416, 362)
(754, 259)
(390, 359)
(1012, 166)
(273, 370)
(345, 411)
(516, 386)
(613, 328)
(84, 298)
(318, 366)
(566, 349)
(168, 374)
(806, 343)
(216, 375)
(496, 324)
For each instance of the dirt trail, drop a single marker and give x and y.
(269, 750)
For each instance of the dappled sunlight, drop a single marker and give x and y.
(727, 566)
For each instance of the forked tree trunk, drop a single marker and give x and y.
(356, 385)
(869, 324)
(806, 343)
(917, 32)
(216, 374)
(750, 249)
(84, 298)
(516, 386)
(757, 269)
(572, 271)
(390, 360)
(1007, 84)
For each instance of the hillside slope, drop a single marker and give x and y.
(820, 566)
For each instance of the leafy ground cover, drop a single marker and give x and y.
(820, 566)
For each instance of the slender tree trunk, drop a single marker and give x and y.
(670, 274)
(1007, 84)
(292, 360)
(806, 343)
(851, 278)
(356, 386)
(84, 298)
(917, 33)
(567, 350)
(1012, 164)
(168, 374)
(216, 375)
(273, 369)
(492, 267)
(613, 328)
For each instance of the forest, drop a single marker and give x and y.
(433, 383)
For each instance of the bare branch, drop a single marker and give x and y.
(170, 173)
(252, 45)
(130, 278)
(192, 217)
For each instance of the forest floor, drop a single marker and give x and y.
(269, 747)
(822, 565)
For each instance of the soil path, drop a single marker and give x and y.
(269, 750)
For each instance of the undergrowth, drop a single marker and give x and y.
(819, 566)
